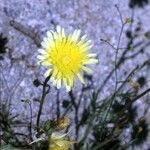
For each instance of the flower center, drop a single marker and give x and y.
(66, 60)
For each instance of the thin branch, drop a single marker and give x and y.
(122, 58)
(138, 52)
(108, 43)
(133, 100)
(30, 124)
(141, 95)
(75, 105)
(116, 58)
(44, 93)
(120, 62)
(58, 103)
(103, 143)
(121, 18)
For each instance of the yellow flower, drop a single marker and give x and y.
(66, 56)
(57, 142)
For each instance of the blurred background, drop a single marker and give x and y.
(24, 23)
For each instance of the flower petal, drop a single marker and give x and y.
(42, 51)
(92, 55)
(48, 72)
(80, 77)
(91, 61)
(58, 83)
(76, 35)
(86, 69)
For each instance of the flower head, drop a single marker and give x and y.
(66, 56)
(62, 123)
(57, 142)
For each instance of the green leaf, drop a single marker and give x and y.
(7, 147)
(36, 82)
(49, 127)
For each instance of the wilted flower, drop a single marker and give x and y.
(140, 132)
(57, 142)
(62, 123)
(128, 20)
(135, 85)
(66, 56)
